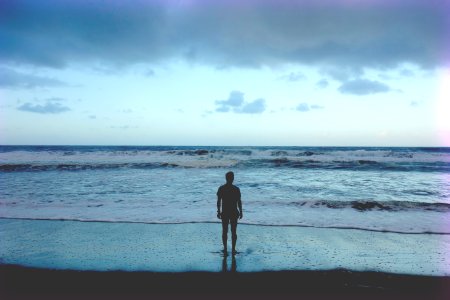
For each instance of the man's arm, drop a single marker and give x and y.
(240, 205)
(219, 216)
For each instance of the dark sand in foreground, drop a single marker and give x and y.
(20, 283)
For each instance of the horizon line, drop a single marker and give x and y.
(199, 145)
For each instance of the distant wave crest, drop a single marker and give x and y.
(80, 167)
(65, 158)
(355, 165)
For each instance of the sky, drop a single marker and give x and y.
(198, 72)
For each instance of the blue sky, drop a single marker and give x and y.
(331, 73)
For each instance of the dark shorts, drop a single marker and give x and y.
(230, 215)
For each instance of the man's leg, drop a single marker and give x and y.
(233, 223)
(225, 221)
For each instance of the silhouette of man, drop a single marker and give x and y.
(229, 196)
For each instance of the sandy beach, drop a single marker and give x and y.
(66, 257)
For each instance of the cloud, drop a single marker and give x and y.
(48, 108)
(406, 73)
(342, 73)
(235, 103)
(224, 33)
(304, 107)
(235, 99)
(223, 108)
(293, 77)
(10, 78)
(322, 83)
(92, 117)
(255, 107)
(363, 87)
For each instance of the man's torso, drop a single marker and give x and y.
(230, 195)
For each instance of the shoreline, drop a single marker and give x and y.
(21, 282)
(241, 223)
(91, 246)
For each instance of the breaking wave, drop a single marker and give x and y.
(361, 206)
(355, 165)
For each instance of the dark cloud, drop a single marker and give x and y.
(339, 33)
(363, 87)
(235, 103)
(48, 108)
(13, 79)
(304, 107)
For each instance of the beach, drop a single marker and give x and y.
(70, 257)
(136, 135)
(130, 220)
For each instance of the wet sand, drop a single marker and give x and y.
(66, 258)
(104, 246)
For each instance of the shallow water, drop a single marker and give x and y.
(196, 247)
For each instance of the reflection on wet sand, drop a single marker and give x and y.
(225, 264)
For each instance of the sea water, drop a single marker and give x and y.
(403, 190)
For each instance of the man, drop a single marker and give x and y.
(230, 197)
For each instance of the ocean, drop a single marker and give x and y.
(399, 190)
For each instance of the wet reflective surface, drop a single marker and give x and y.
(189, 247)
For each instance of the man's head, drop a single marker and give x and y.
(229, 177)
